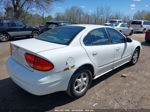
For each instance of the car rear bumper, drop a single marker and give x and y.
(34, 83)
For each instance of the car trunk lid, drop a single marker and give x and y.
(33, 46)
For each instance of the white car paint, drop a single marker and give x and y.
(123, 27)
(103, 58)
(140, 25)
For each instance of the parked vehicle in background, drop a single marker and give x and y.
(122, 27)
(114, 21)
(140, 25)
(53, 24)
(68, 58)
(147, 36)
(13, 28)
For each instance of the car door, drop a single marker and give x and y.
(12, 28)
(100, 50)
(22, 29)
(124, 29)
(123, 51)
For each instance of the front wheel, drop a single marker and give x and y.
(135, 56)
(35, 34)
(4, 37)
(80, 83)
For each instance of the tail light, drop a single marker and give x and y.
(38, 63)
(141, 26)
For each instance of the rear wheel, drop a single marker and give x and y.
(131, 33)
(35, 34)
(4, 37)
(135, 56)
(144, 30)
(80, 83)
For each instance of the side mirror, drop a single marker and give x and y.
(128, 40)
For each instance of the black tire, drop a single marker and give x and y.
(144, 30)
(131, 33)
(35, 34)
(4, 37)
(76, 93)
(135, 56)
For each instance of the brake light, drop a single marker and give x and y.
(38, 63)
(141, 26)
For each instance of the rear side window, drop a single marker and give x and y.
(1, 24)
(61, 35)
(115, 36)
(136, 22)
(97, 37)
(146, 22)
(11, 24)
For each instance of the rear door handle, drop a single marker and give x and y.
(94, 53)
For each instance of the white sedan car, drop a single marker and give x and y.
(68, 58)
(122, 27)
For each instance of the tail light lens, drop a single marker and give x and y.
(38, 63)
(141, 26)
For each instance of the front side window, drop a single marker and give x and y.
(19, 24)
(97, 37)
(115, 36)
(61, 35)
(52, 26)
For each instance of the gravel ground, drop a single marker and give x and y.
(110, 91)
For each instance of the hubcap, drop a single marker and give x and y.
(35, 34)
(81, 82)
(3, 37)
(135, 56)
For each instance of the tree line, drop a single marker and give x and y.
(20, 9)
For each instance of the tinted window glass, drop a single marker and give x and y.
(146, 23)
(52, 26)
(116, 36)
(124, 25)
(96, 37)
(1, 24)
(19, 23)
(61, 35)
(11, 24)
(136, 22)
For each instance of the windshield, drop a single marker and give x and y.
(61, 35)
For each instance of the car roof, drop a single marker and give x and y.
(90, 26)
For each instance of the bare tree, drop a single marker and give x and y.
(19, 5)
(140, 15)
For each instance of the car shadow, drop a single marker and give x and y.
(145, 44)
(13, 98)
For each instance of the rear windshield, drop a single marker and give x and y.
(136, 22)
(61, 35)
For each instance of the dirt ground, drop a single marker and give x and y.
(110, 91)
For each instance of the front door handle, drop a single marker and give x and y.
(94, 53)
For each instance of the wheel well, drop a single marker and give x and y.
(88, 66)
(5, 33)
(139, 48)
